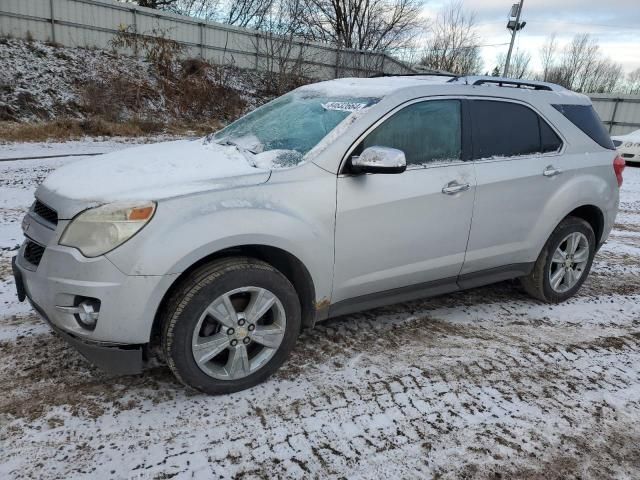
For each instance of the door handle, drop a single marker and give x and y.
(454, 187)
(551, 171)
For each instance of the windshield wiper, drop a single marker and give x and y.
(246, 153)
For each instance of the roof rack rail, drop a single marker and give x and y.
(424, 74)
(510, 82)
(515, 83)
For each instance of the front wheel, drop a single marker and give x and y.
(231, 325)
(564, 263)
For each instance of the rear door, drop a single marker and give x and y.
(516, 154)
(395, 231)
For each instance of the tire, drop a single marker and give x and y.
(538, 283)
(232, 284)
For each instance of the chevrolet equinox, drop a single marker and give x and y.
(337, 197)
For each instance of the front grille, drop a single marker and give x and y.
(628, 155)
(43, 211)
(33, 252)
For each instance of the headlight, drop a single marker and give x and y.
(99, 230)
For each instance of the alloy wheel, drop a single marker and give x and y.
(569, 262)
(238, 333)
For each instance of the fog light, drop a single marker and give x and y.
(86, 312)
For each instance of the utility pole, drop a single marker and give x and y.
(514, 26)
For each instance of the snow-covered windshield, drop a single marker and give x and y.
(289, 126)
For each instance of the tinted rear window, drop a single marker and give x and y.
(586, 119)
(504, 129)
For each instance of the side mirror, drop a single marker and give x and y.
(379, 160)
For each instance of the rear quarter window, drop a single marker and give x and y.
(586, 119)
(549, 141)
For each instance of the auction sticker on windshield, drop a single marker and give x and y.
(344, 106)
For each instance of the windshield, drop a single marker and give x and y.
(290, 125)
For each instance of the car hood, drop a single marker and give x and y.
(148, 172)
(629, 140)
(628, 137)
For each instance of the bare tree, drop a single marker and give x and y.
(247, 13)
(206, 9)
(548, 56)
(519, 65)
(633, 82)
(280, 53)
(380, 25)
(383, 25)
(454, 44)
(582, 67)
(579, 54)
(603, 76)
(156, 4)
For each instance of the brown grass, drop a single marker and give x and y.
(71, 129)
(168, 96)
(197, 92)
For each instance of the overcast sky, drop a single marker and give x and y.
(614, 23)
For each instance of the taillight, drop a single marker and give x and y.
(618, 167)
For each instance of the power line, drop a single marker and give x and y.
(620, 27)
(493, 44)
(488, 23)
(459, 48)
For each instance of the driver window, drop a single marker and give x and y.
(427, 132)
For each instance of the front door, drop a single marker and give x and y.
(398, 232)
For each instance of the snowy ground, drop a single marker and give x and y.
(54, 149)
(480, 384)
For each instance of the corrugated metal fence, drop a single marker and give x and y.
(93, 23)
(619, 113)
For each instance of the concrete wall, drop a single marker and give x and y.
(93, 23)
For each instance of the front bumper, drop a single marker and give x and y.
(128, 304)
(119, 359)
(116, 359)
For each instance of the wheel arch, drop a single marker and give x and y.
(593, 216)
(588, 212)
(288, 264)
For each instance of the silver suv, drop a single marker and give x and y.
(337, 197)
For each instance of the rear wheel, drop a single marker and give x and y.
(564, 263)
(230, 325)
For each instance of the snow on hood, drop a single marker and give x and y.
(151, 172)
